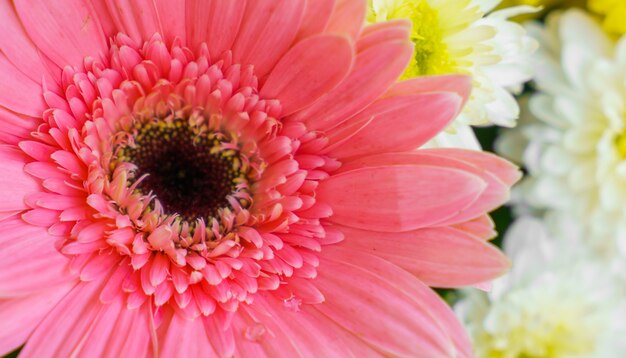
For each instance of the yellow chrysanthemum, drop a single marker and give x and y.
(455, 37)
(614, 13)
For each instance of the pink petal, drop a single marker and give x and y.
(29, 261)
(215, 22)
(66, 31)
(374, 71)
(459, 84)
(441, 257)
(18, 47)
(283, 331)
(15, 127)
(420, 293)
(399, 123)
(66, 324)
(383, 32)
(20, 316)
(81, 325)
(15, 184)
(347, 17)
(383, 305)
(185, 338)
(481, 227)
(221, 339)
(506, 171)
(138, 19)
(173, 20)
(398, 198)
(310, 69)
(494, 195)
(18, 92)
(316, 16)
(267, 30)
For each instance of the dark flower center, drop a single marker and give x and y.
(191, 172)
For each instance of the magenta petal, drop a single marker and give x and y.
(311, 68)
(440, 257)
(398, 198)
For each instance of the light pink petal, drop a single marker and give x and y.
(385, 306)
(66, 31)
(267, 30)
(316, 16)
(481, 227)
(459, 84)
(215, 22)
(348, 17)
(398, 198)
(374, 71)
(185, 338)
(18, 48)
(399, 123)
(15, 184)
(506, 171)
(440, 257)
(310, 69)
(20, 316)
(29, 261)
(18, 92)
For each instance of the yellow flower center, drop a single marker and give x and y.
(614, 12)
(620, 144)
(431, 54)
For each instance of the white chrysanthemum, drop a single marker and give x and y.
(576, 155)
(456, 36)
(556, 302)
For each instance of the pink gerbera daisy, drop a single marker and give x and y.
(231, 178)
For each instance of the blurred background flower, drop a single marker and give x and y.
(557, 301)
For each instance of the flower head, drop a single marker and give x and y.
(452, 36)
(575, 152)
(557, 300)
(225, 178)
